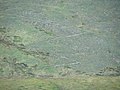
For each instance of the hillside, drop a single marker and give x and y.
(57, 38)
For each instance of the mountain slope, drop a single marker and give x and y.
(59, 38)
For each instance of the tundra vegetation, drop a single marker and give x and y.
(59, 44)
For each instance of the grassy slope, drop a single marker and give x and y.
(78, 83)
(63, 37)
(71, 31)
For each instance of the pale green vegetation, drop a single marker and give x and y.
(75, 83)
(59, 38)
(60, 44)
